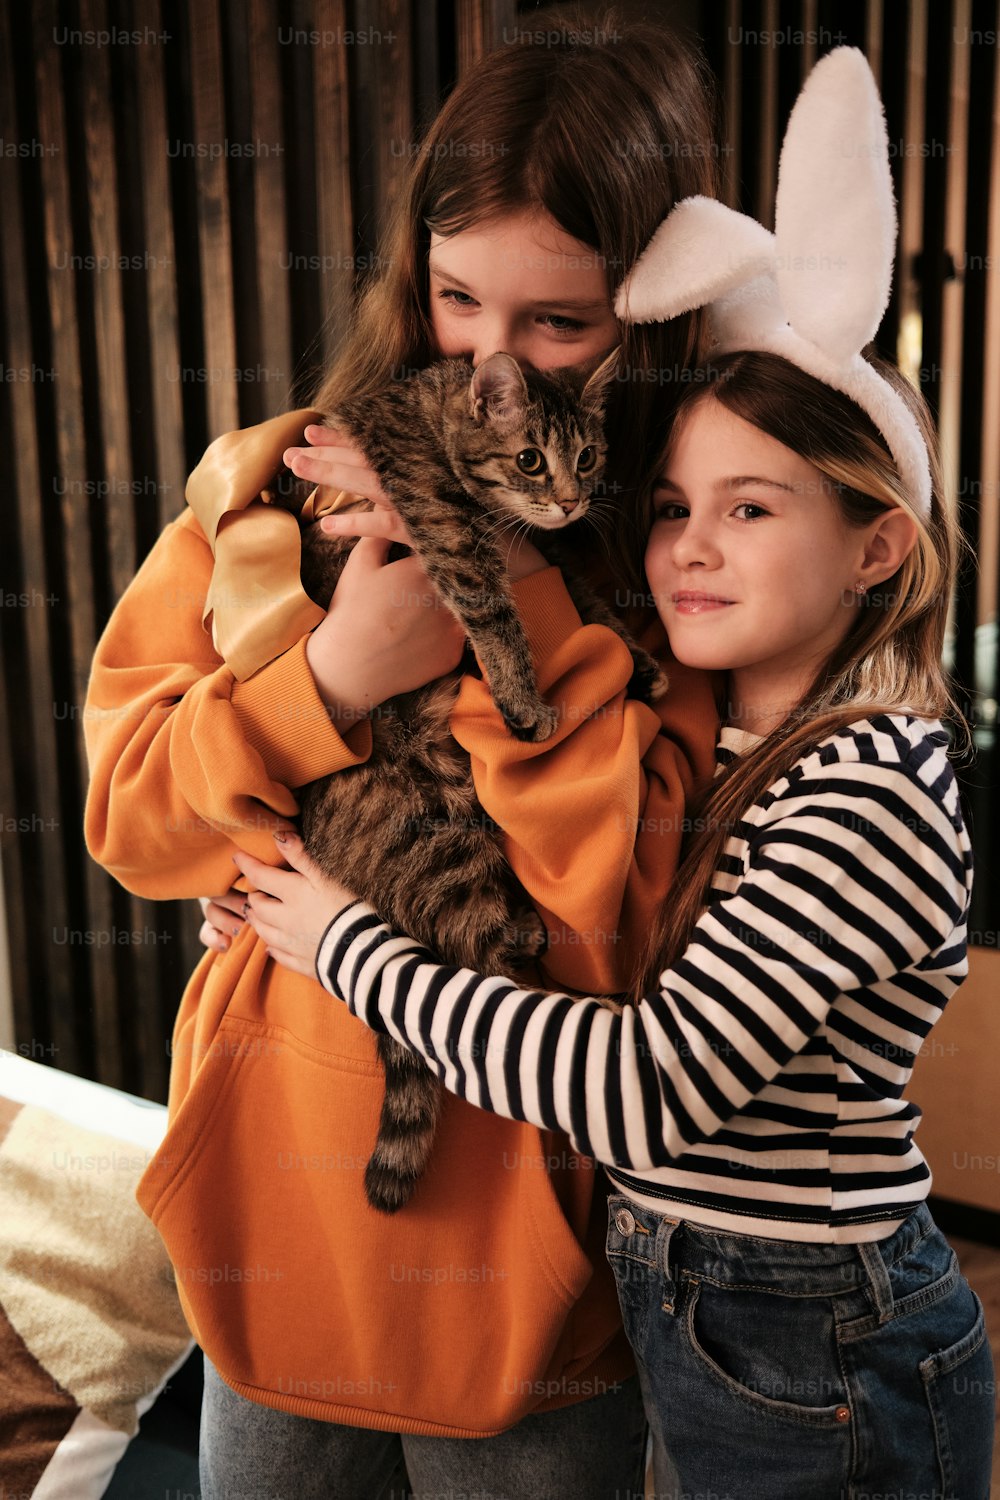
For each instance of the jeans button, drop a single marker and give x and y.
(625, 1221)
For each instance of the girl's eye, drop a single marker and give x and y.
(587, 460)
(751, 505)
(559, 324)
(530, 461)
(462, 299)
(670, 510)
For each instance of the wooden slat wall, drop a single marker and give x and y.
(145, 262)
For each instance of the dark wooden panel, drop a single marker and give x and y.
(386, 67)
(270, 204)
(934, 260)
(751, 108)
(483, 24)
(163, 422)
(204, 153)
(109, 324)
(335, 238)
(383, 127)
(893, 87)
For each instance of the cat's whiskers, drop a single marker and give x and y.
(504, 521)
(496, 525)
(507, 522)
(500, 519)
(601, 513)
(523, 529)
(496, 529)
(601, 507)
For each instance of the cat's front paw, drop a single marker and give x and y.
(648, 682)
(529, 936)
(538, 725)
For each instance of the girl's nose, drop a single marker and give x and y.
(498, 331)
(694, 547)
(495, 339)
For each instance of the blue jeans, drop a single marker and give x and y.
(593, 1450)
(773, 1370)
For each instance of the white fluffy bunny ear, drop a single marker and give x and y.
(835, 218)
(700, 251)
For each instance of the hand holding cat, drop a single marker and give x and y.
(336, 465)
(386, 632)
(290, 909)
(224, 919)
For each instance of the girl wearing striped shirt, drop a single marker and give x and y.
(800, 1324)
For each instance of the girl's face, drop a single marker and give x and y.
(519, 284)
(750, 561)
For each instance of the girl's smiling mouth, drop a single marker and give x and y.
(689, 602)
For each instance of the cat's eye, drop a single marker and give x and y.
(587, 459)
(530, 461)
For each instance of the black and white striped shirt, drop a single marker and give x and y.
(761, 1090)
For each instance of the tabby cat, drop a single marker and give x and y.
(468, 457)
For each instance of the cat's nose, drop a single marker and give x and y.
(568, 506)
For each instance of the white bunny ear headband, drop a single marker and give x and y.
(815, 290)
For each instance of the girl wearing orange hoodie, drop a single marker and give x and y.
(335, 1337)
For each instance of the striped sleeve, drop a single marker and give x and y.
(856, 875)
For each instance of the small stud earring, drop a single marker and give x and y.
(860, 588)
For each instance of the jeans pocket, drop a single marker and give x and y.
(775, 1354)
(960, 1386)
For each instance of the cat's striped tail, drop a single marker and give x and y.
(410, 1110)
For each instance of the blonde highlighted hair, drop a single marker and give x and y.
(890, 661)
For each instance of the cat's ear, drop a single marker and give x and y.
(498, 388)
(595, 393)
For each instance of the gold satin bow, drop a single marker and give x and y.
(256, 606)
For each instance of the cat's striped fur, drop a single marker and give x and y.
(406, 830)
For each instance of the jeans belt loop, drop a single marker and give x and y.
(664, 1234)
(878, 1280)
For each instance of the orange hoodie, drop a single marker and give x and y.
(488, 1296)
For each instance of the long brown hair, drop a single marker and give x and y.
(601, 122)
(891, 658)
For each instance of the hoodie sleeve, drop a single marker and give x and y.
(186, 763)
